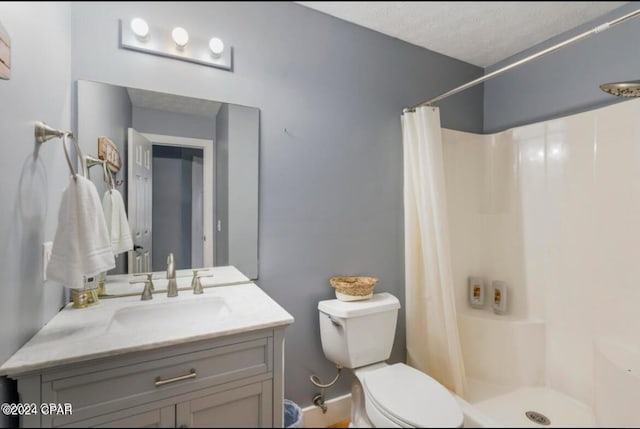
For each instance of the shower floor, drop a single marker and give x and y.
(509, 408)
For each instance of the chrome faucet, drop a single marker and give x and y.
(172, 286)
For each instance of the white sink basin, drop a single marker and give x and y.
(205, 311)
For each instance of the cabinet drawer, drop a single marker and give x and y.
(104, 391)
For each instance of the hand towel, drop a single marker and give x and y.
(81, 247)
(117, 223)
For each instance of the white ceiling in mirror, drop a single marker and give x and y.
(480, 33)
(173, 103)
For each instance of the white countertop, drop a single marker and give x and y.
(77, 335)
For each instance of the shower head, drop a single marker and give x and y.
(623, 89)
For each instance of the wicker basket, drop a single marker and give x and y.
(353, 288)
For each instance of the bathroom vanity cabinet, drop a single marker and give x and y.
(212, 360)
(229, 382)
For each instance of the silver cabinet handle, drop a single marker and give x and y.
(160, 382)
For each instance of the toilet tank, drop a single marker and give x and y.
(358, 333)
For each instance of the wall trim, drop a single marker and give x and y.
(338, 409)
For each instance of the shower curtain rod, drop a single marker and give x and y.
(596, 30)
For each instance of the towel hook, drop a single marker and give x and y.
(106, 173)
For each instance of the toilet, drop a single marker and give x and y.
(359, 335)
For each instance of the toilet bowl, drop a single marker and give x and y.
(400, 396)
(359, 335)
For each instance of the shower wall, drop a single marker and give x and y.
(553, 208)
(485, 218)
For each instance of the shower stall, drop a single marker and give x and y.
(552, 209)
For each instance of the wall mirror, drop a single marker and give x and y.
(189, 176)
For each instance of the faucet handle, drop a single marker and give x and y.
(149, 279)
(148, 286)
(143, 274)
(147, 292)
(195, 282)
(196, 285)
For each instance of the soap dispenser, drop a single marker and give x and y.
(499, 297)
(476, 292)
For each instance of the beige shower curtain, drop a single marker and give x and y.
(433, 341)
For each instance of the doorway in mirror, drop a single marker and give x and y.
(228, 135)
(166, 194)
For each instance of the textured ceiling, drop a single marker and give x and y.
(173, 103)
(480, 33)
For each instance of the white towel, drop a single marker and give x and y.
(117, 223)
(81, 247)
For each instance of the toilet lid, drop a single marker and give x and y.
(407, 395)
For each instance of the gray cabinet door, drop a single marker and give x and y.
(138, 417)
(246, 406)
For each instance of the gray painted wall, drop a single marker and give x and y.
(104, 110)
(173, 124)
(331, 188)
(32, 180)
(171, 211)
(566, 81)
(197, 210)
(222, 186)
(243, 166)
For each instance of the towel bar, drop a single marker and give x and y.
(44, 132)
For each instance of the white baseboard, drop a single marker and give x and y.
(338, 409)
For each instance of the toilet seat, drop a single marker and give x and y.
(410, 398)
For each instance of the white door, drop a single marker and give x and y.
(140, 193)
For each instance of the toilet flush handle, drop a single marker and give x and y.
(335, 322)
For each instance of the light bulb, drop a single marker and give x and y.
(217, 46)
(140, 28)
(180, 36)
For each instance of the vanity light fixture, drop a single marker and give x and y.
(140, 28)
(180, 36)
(174, 42)
(217, 46)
